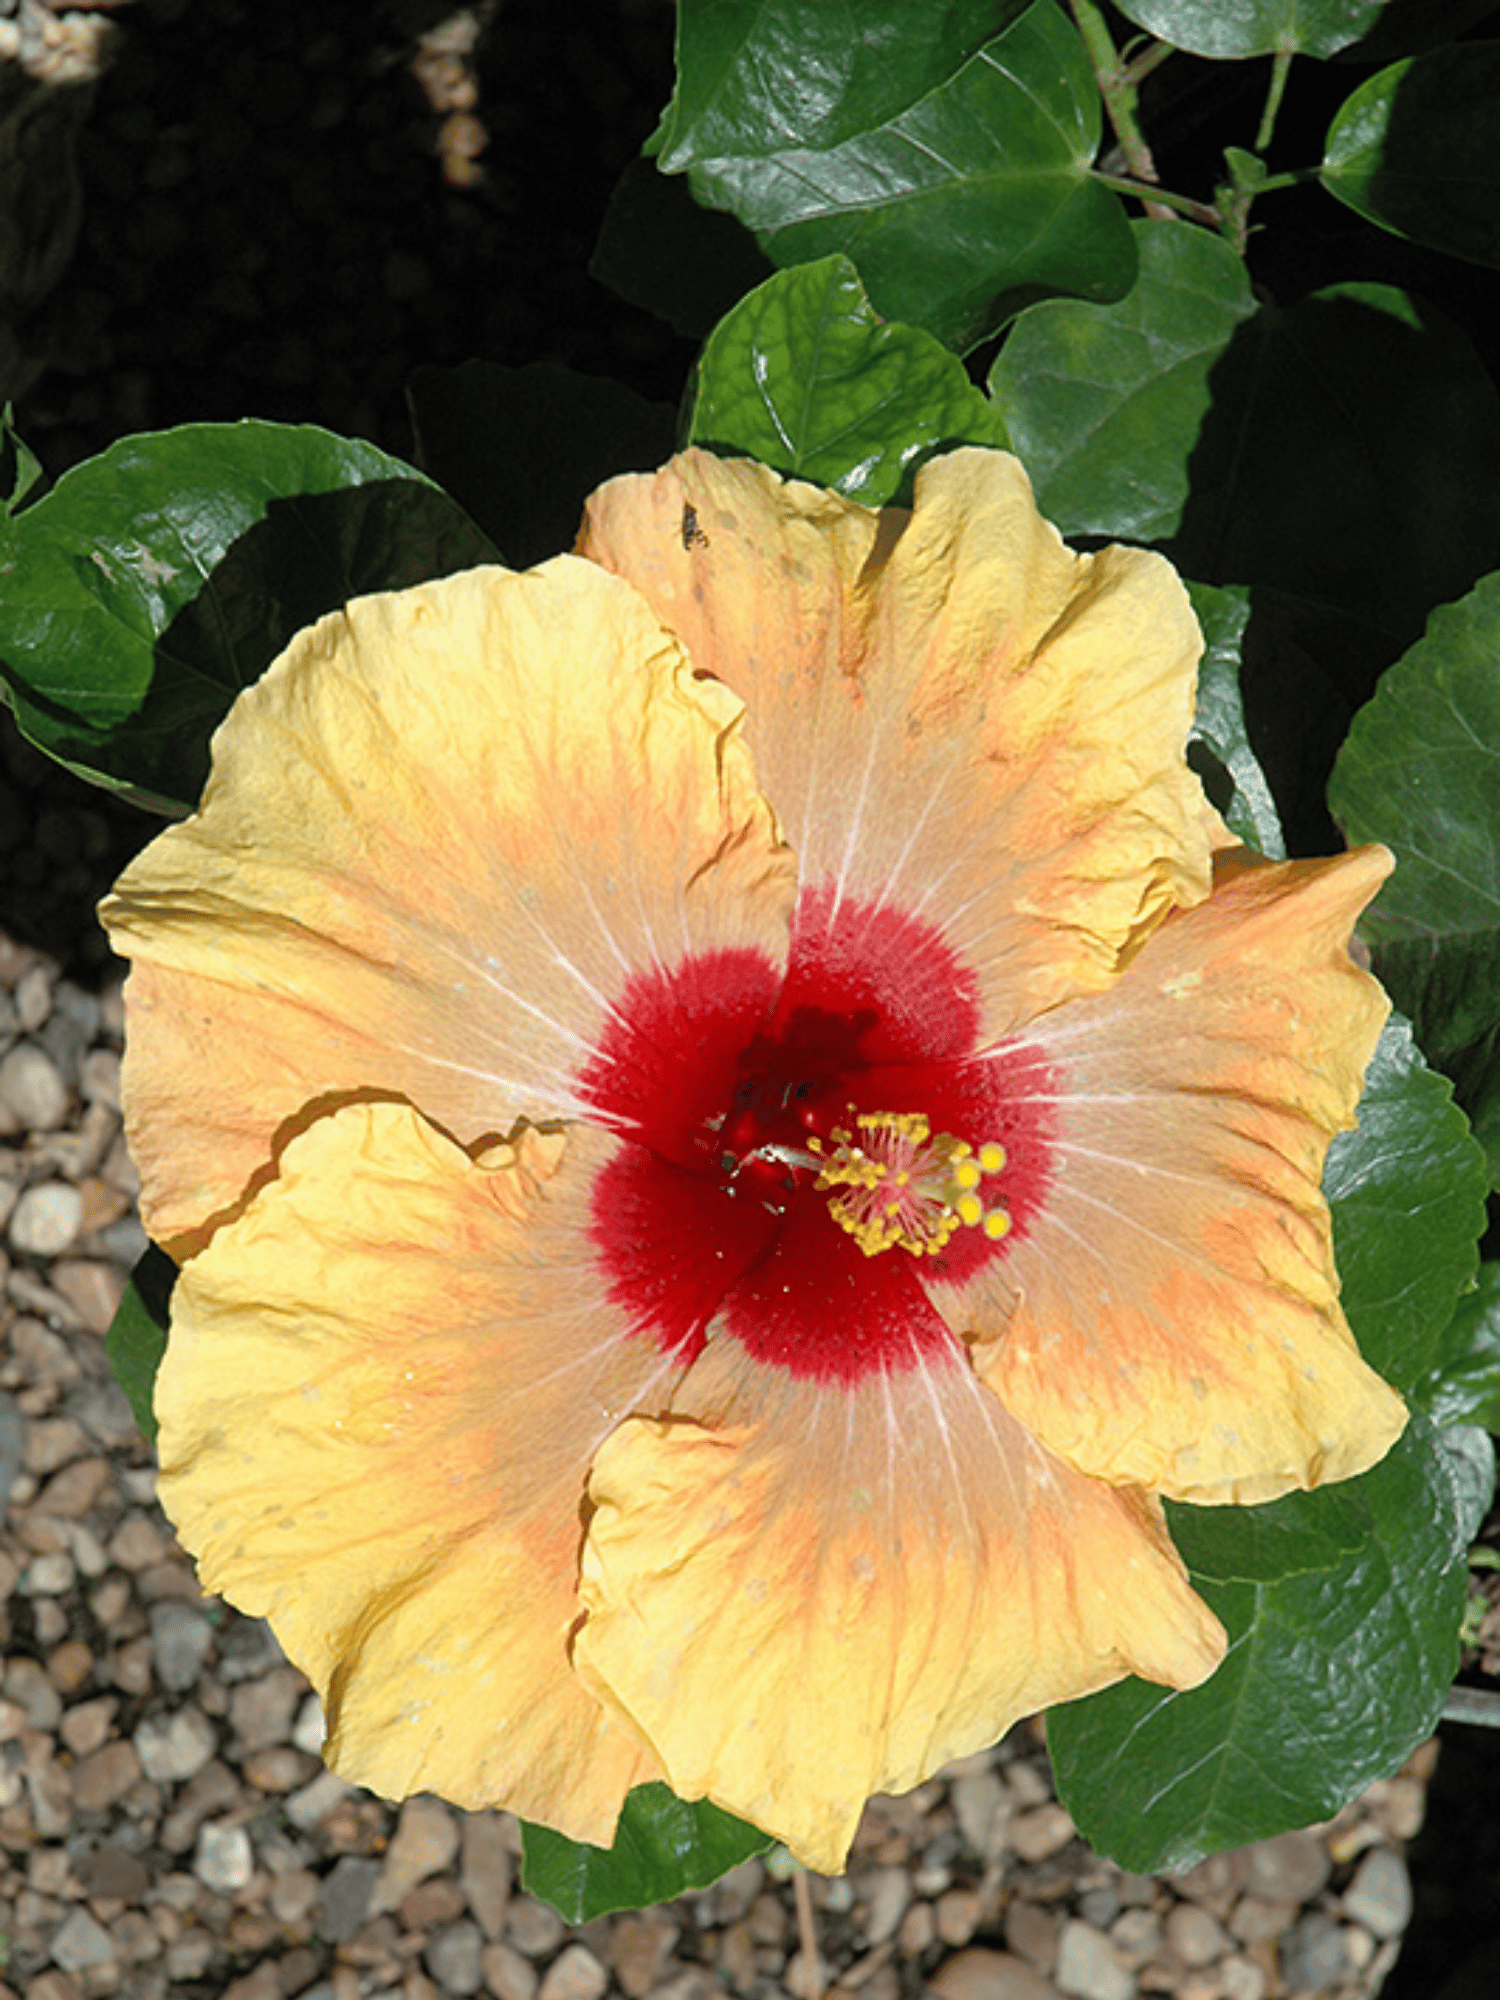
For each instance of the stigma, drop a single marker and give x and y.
(899, 1186)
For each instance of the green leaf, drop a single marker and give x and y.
(1407, 1191)
(795, 75)
(804, 377)
(1406, 27)
(659, 249)
(1413, 149)
(1421, 771)
(155, 581)
(1286, 1537)
(521, 449)
(1333, 1676)
(1255, 27)
(137, 1338)
(1104, 403)
(20, 468)
(1463, 1384)
(663, 1847)
(1241, 796)
(959, 209)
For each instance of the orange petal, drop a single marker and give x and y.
(953, 713)
(1171, 1319)
(440, 833)
(803, 1596)
(384, 1385)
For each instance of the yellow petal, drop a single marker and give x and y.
(954, 714)
(801, 1596)
(440, 833)
(1172, 1319)
(384, 1385)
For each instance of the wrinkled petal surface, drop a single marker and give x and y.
(439, 835)
(952, 712)
(1172, 1320)
(804, 1596)
(384, 1386)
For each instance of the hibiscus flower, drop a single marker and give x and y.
(732, 1121)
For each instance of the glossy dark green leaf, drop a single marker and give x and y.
(1255, 27)
(155, 581)
(1421, 771)
(1286, 1537)
(1242, 797)
(1332, 1678)
(663, 1847)
(1104, 403)
(521, 449)
(959, 209)
(1463, 1384)
(803, 376)
(20, 468)
(137, 1337)
(1413, 149)
(1406, 27)
(798, 75)
(1407, 1190)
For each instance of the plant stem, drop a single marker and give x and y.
(1117, 88)
(1155, 198)
(807, 1936)
(1281, 65)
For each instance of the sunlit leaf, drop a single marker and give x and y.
(663, 1846)
(1255, 27)
(803, 376)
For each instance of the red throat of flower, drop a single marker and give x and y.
(812, 1151)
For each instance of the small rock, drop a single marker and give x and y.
(1032, 1933)
(639, 1950)
(1100, 1906)
(224, 1859)
(312, 1805)
(1379, 1897)
(346, 1897)
(262, 1984)
(182, 1639)
(507, 1974)
(1291, 1868)
(958, 1914)
(93, 1289)
(424, 1843)
(113, 1872)
(1242, 1979)
(1313, 1953)
(280, 1770)
(1255, 1918)
(33, 999)
(454, 1957)
(1042, 1832)
(1195, 1937)
(1088, 1965)
(977, 1974)
(175, 1746)
(485, 1870)
(436, 1901)
(103, 1779)
(1136, 1936)
(308, 1733)
(533, 1927)
(575, 1974)
(32, 1089)
(46, 1219)
(977, 1798)
(887, 1892)
(81, 1943)
(261, 1710)
(86, 1728)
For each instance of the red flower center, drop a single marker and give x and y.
(810, 1152)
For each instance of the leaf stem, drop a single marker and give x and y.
(1281, 65)
(807, 1937)
(1156, 197)
(1117, 84)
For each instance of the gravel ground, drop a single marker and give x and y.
(166, 1825)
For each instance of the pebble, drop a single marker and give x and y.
(887, 1893)
(46, 1219)
(181, 1640)
(1379, 1897)
(175, 1746)
(640, 1948)
(454, 1956)
(507, 1974)
(1088, 1965)
(977, 1798)
(424, 1843)
(81, 1943)
(105, 1777)
(312, 1805)
(534, 1927)
(1042, 1832)
(1313, 1952)
(978, 1974)
(575, 1974)
(1291, 1868)
(485, 1869)
(32, 1089)
(347, 1897)
(223, 1859)
(1194, 1935)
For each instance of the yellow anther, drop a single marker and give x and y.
(996, 1224)
(969, 1208)
(905, 1186)
(992, 1156)
(966, 1174)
